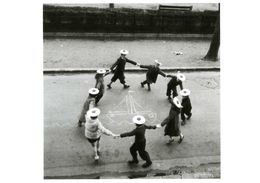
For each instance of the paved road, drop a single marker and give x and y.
(66, 147)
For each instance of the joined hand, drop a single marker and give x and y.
(158, 126)
(116, 136)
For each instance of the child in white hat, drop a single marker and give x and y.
(94, 129)
(173, 83)
(140, 141)
(119, 68)
(173, 127)
(186, 109)
(89, 103)
(101, 73)
(152, 73)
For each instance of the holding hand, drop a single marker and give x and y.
(158, 126)
(116, 136)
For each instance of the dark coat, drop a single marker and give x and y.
(100, 83)
(173, 83)
(119, 66)
(138, 132)
(89, 103)
(172, 122)
(152, 73)
(186, 104)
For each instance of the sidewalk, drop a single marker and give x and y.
(181, 168)
(135, 70)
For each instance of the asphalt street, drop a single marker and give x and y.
(65, 146)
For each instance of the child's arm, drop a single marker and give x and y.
(98, 85)
(128, 134)
(145, 66)
(131, 61)
(114, 65)
(169, 76)
(91, 104)
(165, 121)
(105, 131)
(181, 87)
(162, 73)
(150, 126)
(108, 72)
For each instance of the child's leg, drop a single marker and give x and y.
(143, 83)
(183, 115)
(183, 118)
(149, 88)
(98, 97)
(171, 140)
(181, 138)
(95, 150)
(189, 115)
(82, 118)
(113, 79)
(98, 147)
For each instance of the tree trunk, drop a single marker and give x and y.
(212, 54)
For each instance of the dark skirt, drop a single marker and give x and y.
(172, 127)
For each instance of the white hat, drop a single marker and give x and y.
(101, 71)
(94, 112)
(139, 119)
(185, 92)
(156, 61)
(180, 76)
(93, 91)
(177, 102)
(124, 52)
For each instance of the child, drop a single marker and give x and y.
(186, 110)
(89, 103)
(119, 67)
(173, 83)
(152, 73)
(101, 73)
(94, 129)
(172, 122)
(140, 141)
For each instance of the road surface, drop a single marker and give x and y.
(68, 153)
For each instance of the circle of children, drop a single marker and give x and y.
(94, 128)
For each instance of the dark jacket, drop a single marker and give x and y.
(89, 104)
(119, 66)
(138, 132)
(173, 82)
(100, 83)
(186, 104)
(152, 73)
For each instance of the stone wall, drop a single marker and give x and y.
(85, 19)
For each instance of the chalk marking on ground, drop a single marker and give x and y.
(132, 108)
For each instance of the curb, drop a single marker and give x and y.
(93, 70)
(123, 170)
(125, 35)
